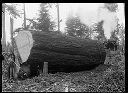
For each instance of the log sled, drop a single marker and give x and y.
(37, 47)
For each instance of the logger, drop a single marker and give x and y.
(37, 47)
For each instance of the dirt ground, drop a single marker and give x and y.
(109, 77)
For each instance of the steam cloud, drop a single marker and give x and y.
(93, 13)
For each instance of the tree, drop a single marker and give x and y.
(112, 7)
(12, 10)
(14, 13)
(76, 29)
(13, 64)
(3, 28)
(32, 24)
(44, 22)
(121, 38)
(100, 31)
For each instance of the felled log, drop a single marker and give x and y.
(58, 49)
(63, 53)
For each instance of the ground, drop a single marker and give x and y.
(109, 77)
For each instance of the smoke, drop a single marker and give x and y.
(88, 13)
(91, 13)
(110, 21)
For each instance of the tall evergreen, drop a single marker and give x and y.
(75, 28)
(44, 22)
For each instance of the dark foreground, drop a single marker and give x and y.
(109, 77)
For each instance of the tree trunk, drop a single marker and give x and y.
(3, 29)
(58, 49)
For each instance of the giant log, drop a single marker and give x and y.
(59, 49)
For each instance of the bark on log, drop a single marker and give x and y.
(58, 49)
(63, 53)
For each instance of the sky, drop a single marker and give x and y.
(89, 14)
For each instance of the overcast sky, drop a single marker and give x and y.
(89, 13)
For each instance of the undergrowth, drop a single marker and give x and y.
(109, 77)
